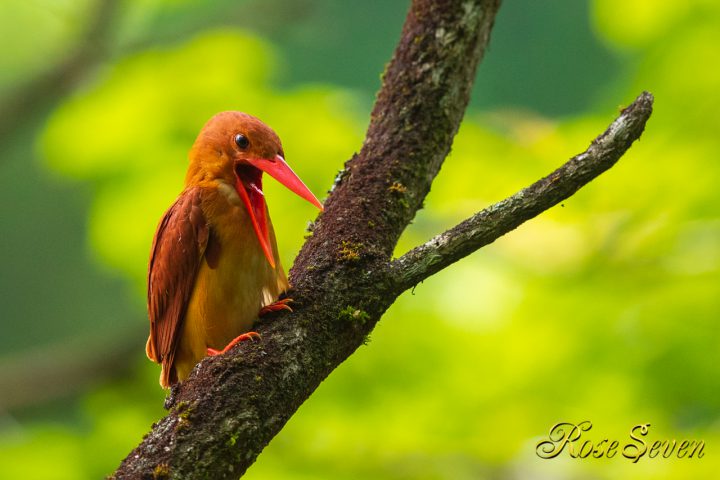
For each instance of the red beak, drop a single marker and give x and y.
(248, 183)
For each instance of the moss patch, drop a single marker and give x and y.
(349, 251)
(355, 315)
(397, 187)
(161, 472)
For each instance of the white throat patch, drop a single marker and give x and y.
(229, 193)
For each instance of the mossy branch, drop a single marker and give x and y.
(344, 279)
(495, 221)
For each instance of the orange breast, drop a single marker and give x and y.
(234, 282)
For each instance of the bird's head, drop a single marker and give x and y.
(236, 148)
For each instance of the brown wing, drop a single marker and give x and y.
(175, 256)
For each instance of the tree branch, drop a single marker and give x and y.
(495, 221)
(232, 405)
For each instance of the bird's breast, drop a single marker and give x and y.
(234, 280)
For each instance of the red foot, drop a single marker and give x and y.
(244, 336)
(275, 306)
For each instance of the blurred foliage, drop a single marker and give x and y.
(604, 308)
(54, 30)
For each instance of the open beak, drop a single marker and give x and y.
(248, 184)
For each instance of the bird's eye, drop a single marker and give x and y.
(241, 141)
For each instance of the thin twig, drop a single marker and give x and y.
(495, 221)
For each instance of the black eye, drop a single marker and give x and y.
(241, 141)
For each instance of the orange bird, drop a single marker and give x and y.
(214, 264)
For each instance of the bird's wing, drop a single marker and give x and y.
(175, 256)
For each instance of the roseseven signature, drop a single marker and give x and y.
(567, 436)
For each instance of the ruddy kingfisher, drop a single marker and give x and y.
(214, 264)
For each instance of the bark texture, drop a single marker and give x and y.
(222, 417)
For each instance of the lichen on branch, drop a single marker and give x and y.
(491, 223)
(344, 279)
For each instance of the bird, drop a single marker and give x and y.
(214, 266)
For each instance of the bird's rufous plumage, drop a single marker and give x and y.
(214, 261)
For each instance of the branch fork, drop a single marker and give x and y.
(344, 277)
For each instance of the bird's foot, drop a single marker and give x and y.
(236, 340)
(276, 306)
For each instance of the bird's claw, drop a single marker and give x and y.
(276, 306)
(245, 336)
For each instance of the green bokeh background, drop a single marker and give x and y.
(605, 308)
